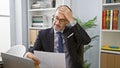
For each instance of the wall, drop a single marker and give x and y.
(86, 10)
(4, 34)
(4, 26)
(19, 28)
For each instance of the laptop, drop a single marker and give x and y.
(11, 61)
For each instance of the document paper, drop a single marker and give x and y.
(50, 59)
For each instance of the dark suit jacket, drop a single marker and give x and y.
(75, 37)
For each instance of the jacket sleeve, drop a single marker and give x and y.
(80, 34)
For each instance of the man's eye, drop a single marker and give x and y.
(62, 20)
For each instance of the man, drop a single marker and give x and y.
(73, 38)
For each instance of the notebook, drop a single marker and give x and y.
(11, 61)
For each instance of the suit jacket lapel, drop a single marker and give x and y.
(51, 39)
(65, 33)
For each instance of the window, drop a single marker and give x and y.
(5, 42)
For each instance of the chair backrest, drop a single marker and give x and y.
(17, 50)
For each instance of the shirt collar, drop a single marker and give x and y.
(58, 31)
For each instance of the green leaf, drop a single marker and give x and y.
(86, 65)
(94, 37)
(88, 24)
(87, 47)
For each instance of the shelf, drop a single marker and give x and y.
(38, 27)
(45, 9)
(110, 30)
(111, 4)
(113, 52)
(109, 42)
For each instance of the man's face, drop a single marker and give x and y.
(59, 21)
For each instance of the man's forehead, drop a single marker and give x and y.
(59, 13)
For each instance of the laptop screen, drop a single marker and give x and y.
(11, 61)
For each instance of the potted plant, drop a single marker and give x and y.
(87, 25)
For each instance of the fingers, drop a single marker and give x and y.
(64, 9)
(33, 57)
(67, 13)
(36, 60)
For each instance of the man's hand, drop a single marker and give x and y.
(67, 13)
(33, 57)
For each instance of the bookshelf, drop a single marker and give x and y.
(40, 14)
(110, 34)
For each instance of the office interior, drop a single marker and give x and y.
(14, 29)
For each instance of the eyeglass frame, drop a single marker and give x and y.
(60, 20)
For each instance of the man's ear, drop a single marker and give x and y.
(67, 21)
(68, 25)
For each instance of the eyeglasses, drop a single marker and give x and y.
(60, 20)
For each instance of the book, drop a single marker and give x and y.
(110, 47)
(104, 19)
(119, 21)
(104, 1)
(117, 1)
(111, 18)
(115, 19)
(113, 1)
(108, 1)
(53, 3)
(107, 19)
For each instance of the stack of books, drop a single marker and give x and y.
(39, 20)
(111, 1)
(110, 17)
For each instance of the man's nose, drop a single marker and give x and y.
(57, 22)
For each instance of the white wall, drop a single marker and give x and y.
(5, 41)
(20, 23)
(86, 10)
(4, 34)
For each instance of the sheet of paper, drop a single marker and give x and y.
(51, 60)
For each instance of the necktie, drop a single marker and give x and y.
(60, 42)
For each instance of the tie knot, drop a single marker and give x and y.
(59, 33)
